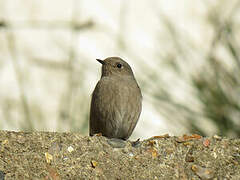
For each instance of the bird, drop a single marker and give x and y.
(116, 102)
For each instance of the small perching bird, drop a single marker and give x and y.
(116, 100)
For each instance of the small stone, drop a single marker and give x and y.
(116, 143)
(94, 163)
(217, 137)
(70, 149)
(203, 173)
(206, 142)
(189, 158)
(215, 155)
(48, 157)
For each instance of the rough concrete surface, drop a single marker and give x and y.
(54, 156)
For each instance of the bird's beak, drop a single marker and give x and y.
(101, 61)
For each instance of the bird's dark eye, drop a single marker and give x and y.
(119, 65)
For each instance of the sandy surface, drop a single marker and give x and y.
(45, 155)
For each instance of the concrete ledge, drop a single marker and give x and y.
(50, 155)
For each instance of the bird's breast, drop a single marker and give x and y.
(123, 94)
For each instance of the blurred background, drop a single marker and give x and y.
(185, 56)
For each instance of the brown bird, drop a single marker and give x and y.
(116, 100)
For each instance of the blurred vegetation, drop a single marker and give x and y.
(25, 114)
(214, 76)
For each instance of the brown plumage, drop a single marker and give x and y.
(116, 100)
